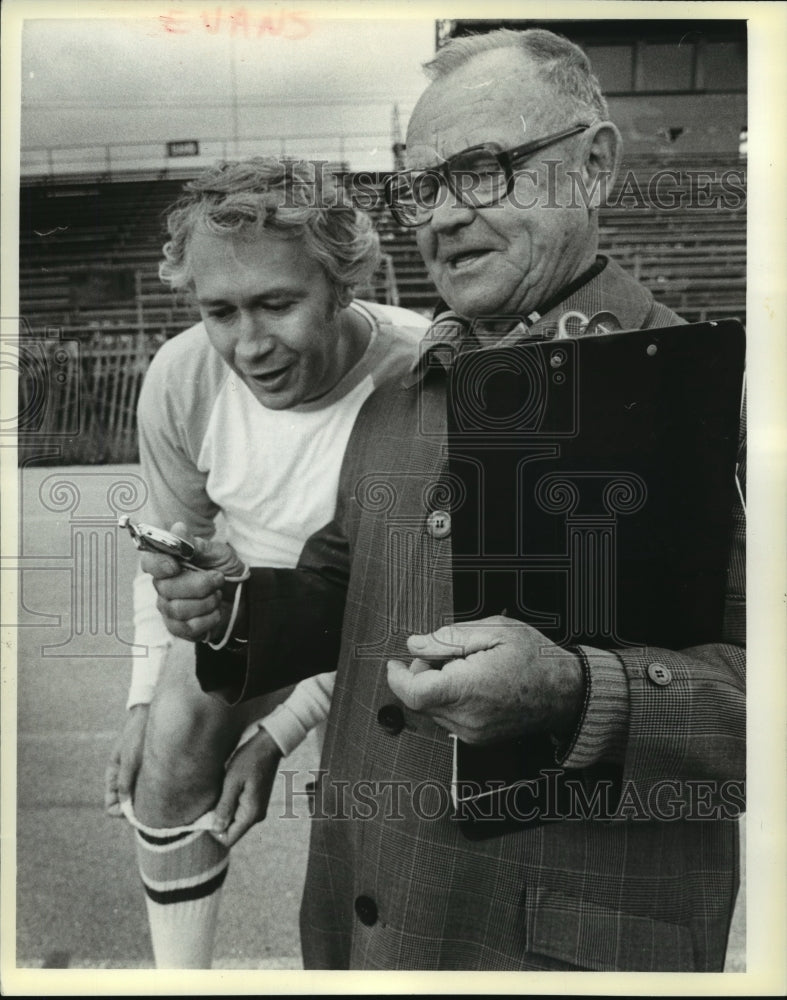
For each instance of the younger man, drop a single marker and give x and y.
(243, 418)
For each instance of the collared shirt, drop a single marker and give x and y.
(605, 288)
(450, 335)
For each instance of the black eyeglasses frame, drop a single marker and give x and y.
(506, 158)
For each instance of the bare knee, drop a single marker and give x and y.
(188, 738)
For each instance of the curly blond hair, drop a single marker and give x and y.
(294, 199)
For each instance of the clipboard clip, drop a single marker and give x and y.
(581, 326)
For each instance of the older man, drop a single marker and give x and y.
(497, 144)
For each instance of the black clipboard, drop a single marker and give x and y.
(594, 482)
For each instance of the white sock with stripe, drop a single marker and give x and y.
(183, 870)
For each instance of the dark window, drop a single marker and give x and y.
(666, 67)
(613, 65)
(724, 66)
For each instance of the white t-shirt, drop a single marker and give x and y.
(213, 457)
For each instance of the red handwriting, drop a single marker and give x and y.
(289, 24)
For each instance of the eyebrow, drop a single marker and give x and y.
(282, 292)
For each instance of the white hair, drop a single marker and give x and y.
(560, 62)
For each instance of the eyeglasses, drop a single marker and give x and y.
(478, 177)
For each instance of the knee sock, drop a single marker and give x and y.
(183, 869)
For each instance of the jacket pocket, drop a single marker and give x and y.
(595, 937)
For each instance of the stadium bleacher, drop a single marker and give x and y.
(89, 253)
(686, 254)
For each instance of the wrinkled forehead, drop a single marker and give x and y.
(495, 97)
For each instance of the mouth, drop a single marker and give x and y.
(463, 259)
(273, 378)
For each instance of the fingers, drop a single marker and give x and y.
(127, 776)
(111, 794)
(244, 819)
(217, 556)
(193, 585)
(459, 641)
(208, 555)
(190, 605)
(125, 782)
(237, 811)
(418, 666)
(225, 808)
(183, 610)
(419, 687)
(194, 629)
(159, 566)
(180, 528)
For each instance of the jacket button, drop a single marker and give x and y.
(659, 674)
(391, 718)
(438, 524)
(366, 908)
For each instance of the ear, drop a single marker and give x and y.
(603, 149)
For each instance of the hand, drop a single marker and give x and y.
(125, 761)
(247, 788)
(191, 601)
(502, 679)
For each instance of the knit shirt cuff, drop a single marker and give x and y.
(145, 673)
(285, 728)
(603, 728)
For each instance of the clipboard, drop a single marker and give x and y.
(595, 481)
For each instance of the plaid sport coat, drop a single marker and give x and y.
(392, 880)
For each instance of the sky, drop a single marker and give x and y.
(307, 74)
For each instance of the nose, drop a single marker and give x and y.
(253, 341)
(450, 212)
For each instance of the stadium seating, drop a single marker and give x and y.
(692, 257)
(89, 252)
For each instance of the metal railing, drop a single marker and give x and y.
(119, 158)
(77, 398)
(79, 386)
